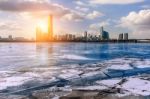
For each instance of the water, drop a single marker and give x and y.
(29, 64)
(16, 55)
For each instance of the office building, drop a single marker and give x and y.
(50, 27)
(85, 36)
(38, 34)
(104, 34)
(125, 36)
(10, 37)
(120, 36)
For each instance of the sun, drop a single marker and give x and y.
(43, 26)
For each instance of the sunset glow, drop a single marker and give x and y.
(43, 26)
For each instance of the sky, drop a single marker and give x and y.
(19, 18)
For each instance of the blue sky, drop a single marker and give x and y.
(20, 17)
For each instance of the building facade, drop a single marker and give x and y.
(104, 34)
(120, 36)
(126, 36)
(50, 27)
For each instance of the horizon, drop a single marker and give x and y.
(20, 18)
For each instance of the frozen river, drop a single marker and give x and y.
(18, 55)
(31, 66)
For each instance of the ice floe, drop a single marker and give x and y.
(109, 82)
(70, 74)
(143, 66)
(133, 86)
(12, 81)
(137, 86)
(91, 88)
(120, 67)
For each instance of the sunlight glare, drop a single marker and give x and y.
(43, 26)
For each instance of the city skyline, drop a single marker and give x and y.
(19, 18)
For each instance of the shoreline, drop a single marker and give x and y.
(103, 41)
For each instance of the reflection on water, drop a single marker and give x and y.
(44, 54)
(15, 55)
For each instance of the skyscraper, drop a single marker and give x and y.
(101, 31)
(10, 37)
(85, 35)
(104, 34)
(120, 36)
(125, 36)
(50, 27)
(38, 34)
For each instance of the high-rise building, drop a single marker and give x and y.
(120, 36)
(125, 36)
(85, 35)
(101, 31)
(50, 27)
(10, 37)
(38, 34)
(104, 34)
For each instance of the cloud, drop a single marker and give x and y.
(96, 26)
(138, 22)
(94, 14)
(80, 3)
(10, 28)
(82, 9)
(37, 8)
(116, 1)
(75, 17)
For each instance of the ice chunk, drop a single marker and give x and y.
(93, 73)
(12, 81)
(143, 66)
(70, 74)
(137, 86)
(120, 67)
(109, 83)
(91, 88)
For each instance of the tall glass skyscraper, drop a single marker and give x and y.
(50, 27)
(104, 34)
